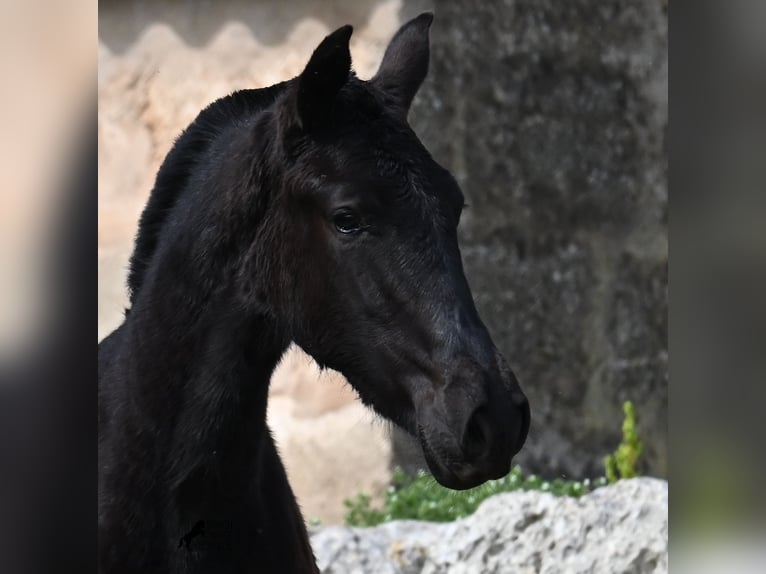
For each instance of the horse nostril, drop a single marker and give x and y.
(476, 434)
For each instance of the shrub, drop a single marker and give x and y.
(422, 498)
(622, 463)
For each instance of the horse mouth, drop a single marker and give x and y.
(450, 471)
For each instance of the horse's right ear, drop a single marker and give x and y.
(324, 76)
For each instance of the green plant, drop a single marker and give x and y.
(360, 512)
(622, 463)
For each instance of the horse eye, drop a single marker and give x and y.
(347, 222)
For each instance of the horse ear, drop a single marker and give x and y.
(324, 76)
(405, 63)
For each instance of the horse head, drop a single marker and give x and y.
(365, 268)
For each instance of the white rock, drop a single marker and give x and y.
(622, 528)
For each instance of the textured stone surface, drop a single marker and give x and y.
(622, 528)
(552, 116)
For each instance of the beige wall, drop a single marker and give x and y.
(159, 64)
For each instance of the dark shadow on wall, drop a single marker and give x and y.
(122, 22)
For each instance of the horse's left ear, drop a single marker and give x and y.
(324, 76)
(405, 63)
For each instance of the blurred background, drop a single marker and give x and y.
(551, 115)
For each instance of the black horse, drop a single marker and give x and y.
(310, 212)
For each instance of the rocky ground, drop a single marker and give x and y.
(621, 528)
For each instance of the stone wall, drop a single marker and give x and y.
(552, 117)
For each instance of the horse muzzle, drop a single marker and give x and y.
(467, 442)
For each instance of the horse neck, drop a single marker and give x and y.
(202, 350)
(200, 370)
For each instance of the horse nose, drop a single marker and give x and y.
(488, 433)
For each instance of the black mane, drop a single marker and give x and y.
(173, 175)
